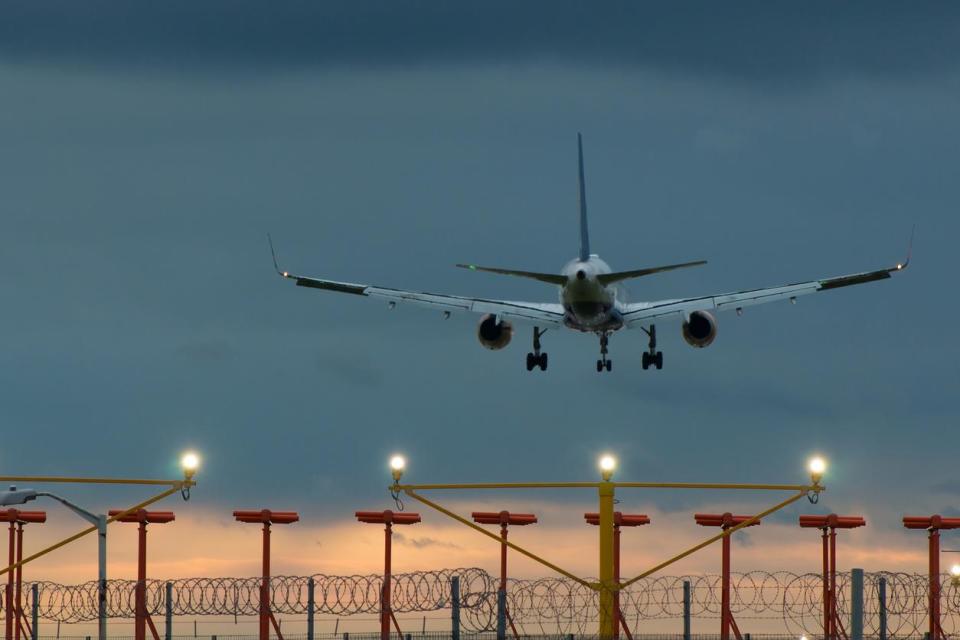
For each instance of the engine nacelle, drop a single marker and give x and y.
(700, 329)
(492, 334)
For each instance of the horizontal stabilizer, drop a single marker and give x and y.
(610, 278)
(551, 278)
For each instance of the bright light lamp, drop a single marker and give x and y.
(397, 466)
(817, 466)
(190, 462)
(607, 464)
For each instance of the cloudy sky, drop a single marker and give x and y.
(147, 149)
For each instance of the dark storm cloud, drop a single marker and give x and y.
(753, 41)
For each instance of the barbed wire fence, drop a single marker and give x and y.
(538, 606)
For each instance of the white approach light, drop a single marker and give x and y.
(607, 465)
(190, 462)
(397, 466)
(817, 467)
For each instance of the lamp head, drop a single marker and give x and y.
(607, 466)
(190, 462)
(14, 496)
(955, 575)
(397, 466)
(817, 467)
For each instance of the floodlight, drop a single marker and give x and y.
(190, 462)
(607, 464)
(397, 466)
(817, 466)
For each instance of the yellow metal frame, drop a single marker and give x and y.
(174, 486)
(606, 490)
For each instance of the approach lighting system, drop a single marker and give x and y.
(817, 466)
(190, 462)
(607, 465)
(397, 466)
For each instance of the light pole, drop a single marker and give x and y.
(189, 463)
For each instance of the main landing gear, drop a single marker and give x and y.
(652, 356)
(537, 359)
(603, 362)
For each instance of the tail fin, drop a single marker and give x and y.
(584, 231)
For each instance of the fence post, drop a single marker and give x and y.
(455, 608)
(686, 610)
(882, 587)
(35, 610)
(310, 608)
(856, 604)
(168, 620)
(501, 614)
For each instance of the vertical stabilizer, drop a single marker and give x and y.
(584, 231)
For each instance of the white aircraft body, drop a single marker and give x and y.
(590, 300)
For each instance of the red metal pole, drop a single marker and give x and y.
(140, 629)
(265, 586)
(8, 598)
(725, 589)
(503, 557)
(934, 584)
(616, 578)
(385, 596)
(833, 583)
(18, 608)
(826, 585)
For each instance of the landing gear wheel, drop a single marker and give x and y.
(537, 359)
(599, 366)
(603, 362)
(609, 365)
(651, 356)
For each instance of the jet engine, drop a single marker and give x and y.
(492, 334)
(700, 329)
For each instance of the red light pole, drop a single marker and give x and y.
(933, 524)
(725, 521)
(267, 518)
(619, 520)
(829, 525)
(504, 519)
(143, 517)
(14, 603)
(388, 519)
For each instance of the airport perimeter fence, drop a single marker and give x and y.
(895, 605)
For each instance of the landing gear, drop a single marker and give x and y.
(651, 356)
(537, 359)
(603, 362)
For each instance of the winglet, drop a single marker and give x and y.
(273, 254)
(906, 263)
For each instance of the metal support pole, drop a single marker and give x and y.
(385, 594)
(34, 611)
(140, 622)
(856, 604)
(725, 589)
(934, 584)
(311, 607)
(616, 579)
(686, 610)
(102, 576)
(501, 614)
(455, 608)
(834, 616)
(8, 596)
(607, 587)
(18, 603)
(265, 586)
(882, 605)
(168, 627)
(826, 584)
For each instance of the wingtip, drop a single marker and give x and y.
(273, 254)
(906, 263)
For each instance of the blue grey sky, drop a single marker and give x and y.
(148, 148)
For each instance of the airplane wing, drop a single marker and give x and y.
(533, 312)
(647, 312)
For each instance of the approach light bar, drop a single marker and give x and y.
(504, 518)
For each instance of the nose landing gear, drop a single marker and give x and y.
(537, 359)
(604, 362)
(652, 356)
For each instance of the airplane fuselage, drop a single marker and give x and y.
(589, 305)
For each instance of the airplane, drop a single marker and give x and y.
(591, 300)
